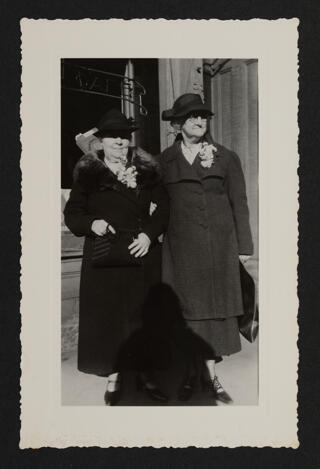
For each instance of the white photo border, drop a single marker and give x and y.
(44, 421)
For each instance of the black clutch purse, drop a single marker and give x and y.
(249, 322)
(111, 250)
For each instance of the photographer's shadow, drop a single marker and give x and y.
(163, 347)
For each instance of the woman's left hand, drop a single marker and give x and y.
(140, 245)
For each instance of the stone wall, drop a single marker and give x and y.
(233, 93)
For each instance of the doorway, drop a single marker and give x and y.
(90, 87)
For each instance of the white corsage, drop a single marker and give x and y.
(207, 154)
(128, 176)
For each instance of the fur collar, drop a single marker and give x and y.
(93, 175)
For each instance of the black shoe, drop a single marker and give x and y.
(152, 390)
(111, 398)
(218, 392)
(186, 390)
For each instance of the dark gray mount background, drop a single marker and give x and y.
(307, 456)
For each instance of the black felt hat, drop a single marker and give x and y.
(184, 105)
(114, 121)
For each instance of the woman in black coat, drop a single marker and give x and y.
(207, 233)
(113, 191)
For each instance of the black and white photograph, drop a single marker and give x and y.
(159, 246)
(159, 191)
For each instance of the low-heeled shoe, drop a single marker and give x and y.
(218, 392)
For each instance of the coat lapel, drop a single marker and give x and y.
(177, 167)
(215, 169)
(130, 194)
(112, 182)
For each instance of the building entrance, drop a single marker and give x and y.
(90, 87)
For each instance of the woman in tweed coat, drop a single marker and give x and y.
(207, 234)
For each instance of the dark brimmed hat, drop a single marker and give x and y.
(185, 104)
(114, 121)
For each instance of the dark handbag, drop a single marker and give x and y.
(249, 322)
(111, 250)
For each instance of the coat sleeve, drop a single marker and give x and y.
(157, 223)
(76, 215)
(238, 200)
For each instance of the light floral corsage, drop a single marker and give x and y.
(207, 154)
(128, 176)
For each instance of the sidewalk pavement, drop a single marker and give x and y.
(237, 373)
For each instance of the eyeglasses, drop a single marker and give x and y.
(195, 117)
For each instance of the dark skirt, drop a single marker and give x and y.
(218, 336)
(106, 320)
(208, 339)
